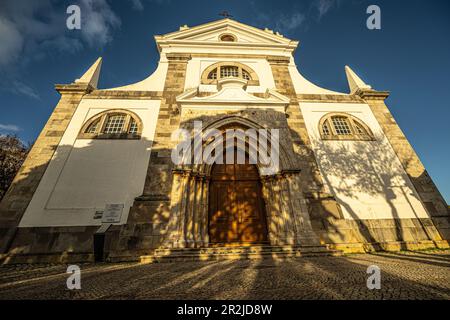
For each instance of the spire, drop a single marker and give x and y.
(91, 76)
(355, 82)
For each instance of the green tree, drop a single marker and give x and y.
(12, 154)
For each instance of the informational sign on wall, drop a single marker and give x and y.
(112, 213)
(98, 214)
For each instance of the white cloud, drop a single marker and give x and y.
(298, 17)
(21, 88)
(11, 40)
(9, 127)
(11, 84)
(287, 23)
(97, 22)
(323, 6)
(29, 27)
(137, 5)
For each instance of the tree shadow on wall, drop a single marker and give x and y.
(368, 172)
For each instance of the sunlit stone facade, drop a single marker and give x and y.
(347, 177)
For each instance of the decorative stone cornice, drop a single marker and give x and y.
(232, 96)
(278, 60)
(319, 195)
(153, 197)
(178, 171)
(372, 94)
(291, 171)
(178, 57)
(125, 94)
(74, 88)
(280, 175)
(333, 98)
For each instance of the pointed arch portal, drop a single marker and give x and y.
(228, 204)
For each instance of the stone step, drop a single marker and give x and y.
(237, 253)
(227, 250)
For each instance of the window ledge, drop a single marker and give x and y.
(214, 81)
(110, 136)
(348, 138)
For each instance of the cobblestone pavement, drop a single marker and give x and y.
(419, 275)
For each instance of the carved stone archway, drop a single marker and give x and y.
(288, 220)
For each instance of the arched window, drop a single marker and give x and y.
(342, 126)
(113, 124)
(229, 69)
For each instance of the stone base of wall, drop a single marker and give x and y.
(51, 258)
(380, 235)
(389, 246)
(442, 224)
(51, 245)
(147, 223)
(129, 242)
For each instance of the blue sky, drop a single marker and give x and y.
(409, 56)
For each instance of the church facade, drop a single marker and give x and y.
(101, 178)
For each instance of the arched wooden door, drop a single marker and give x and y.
(236, 208)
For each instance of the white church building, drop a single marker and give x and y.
(100, 182)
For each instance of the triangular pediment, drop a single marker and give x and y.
(211, 32)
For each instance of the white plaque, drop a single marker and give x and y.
(112, 213)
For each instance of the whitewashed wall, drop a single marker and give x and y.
(85, 174)
(365, 176)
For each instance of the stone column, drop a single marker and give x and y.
(205, 212)
(277, 217)
(279, 213)
(286, 210)
(180, 241)
(198, 210)
(304, 234)
(190, 212)
(173, 226)
(272, 216)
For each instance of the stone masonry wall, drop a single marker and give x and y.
(310, 175)
(149, 215)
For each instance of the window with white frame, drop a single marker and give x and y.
(115, 124)
(343, 127)
(223, 70)
(229, 71)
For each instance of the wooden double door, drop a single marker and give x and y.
(236, 208)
